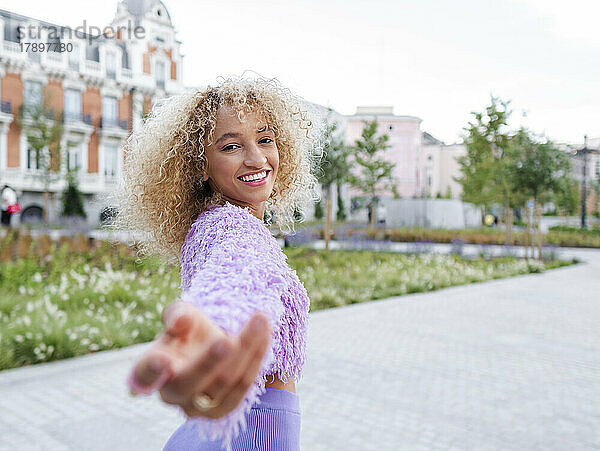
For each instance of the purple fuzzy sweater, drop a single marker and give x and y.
(231, 267)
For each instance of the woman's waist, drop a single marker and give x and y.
(277, 399)
(273, 381)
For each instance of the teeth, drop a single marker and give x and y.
(258, 176)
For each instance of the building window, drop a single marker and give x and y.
(72, 105)
(54, 42)
(159, 74)
(92, 53)
(111, 65)
(597, 166)
(73, 158)
(33, 94)
(124, 59)
(33, 159)
(74, 58)
(109, 112)
(111, 161)
(11, 31)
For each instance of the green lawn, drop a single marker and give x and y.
(73, 304)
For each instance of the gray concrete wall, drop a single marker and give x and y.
(430, 213)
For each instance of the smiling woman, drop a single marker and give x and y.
(200, 177)
(244, 155)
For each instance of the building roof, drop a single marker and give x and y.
(429, 139)
(140, 8)
(376, 110)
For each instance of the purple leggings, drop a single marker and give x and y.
(274, 424)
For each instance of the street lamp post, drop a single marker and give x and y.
(584, 154)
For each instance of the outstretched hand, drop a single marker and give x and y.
(193, 356)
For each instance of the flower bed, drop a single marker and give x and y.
(73, 303)
(563, 237)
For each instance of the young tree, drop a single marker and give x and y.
(334, 168)
(341, 210)
(540, 168)
(486, 167)
(375, 176)
(72, 198)
(43, 129)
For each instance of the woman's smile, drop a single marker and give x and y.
(255, 179)
(243, 160)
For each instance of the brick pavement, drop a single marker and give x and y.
(512, 364)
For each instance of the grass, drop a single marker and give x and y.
(72, 304)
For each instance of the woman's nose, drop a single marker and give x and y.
(254, 156)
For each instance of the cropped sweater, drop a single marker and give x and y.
(231, 267)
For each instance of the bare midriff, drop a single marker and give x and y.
(277, 383)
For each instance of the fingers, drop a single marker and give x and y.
(230, 382)
(177, 318)
(253, 340)
(150, 373)
(184, 385)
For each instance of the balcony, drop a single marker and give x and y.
(11, 52)
(113, 128)
(107, 122)
(54, 57)
(12, 47)
(74, 64)
(92, 66)
(77, 124)
(5, 107)
(71, 116)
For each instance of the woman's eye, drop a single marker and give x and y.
(230, 147)
(266, 141)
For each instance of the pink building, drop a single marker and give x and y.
(405, 143)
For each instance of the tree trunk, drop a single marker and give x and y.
(508, 224)
(45, 213)
(538, 220)
(527, 232)
(328, 217)
(372, 214)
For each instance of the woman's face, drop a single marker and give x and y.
(240, 150)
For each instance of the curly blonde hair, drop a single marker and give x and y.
(161, 193)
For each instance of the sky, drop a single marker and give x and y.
(436, 59)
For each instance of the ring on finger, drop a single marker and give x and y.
(203, 402)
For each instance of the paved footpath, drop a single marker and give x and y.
(511, 364)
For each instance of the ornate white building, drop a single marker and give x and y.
(103, 83)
